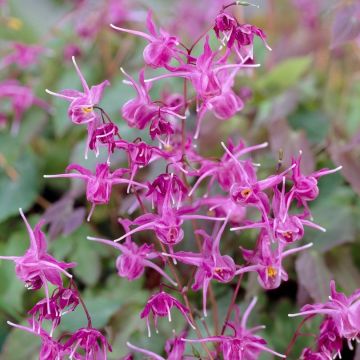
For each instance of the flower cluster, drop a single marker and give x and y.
(341, 321)
(37, 269)
(235, 197)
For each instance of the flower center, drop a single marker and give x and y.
(87, 109)
(288, 235)
(271, 271)
(246, 192)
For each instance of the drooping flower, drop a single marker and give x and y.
(160, 305)
(285, 227)
(305, 187)
(243, 344)
(162, 47)
(36, 267)
(174, 348)
(211, 265)
(50, 348)
(81, 108)
(133, 259)
(142, 111)
(62, 301)
(344, 312)
(224, 171)
(267, 262)
(89, 341)
(98, 185)
(167, 186)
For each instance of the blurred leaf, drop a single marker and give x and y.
(346, 25)
(342, 266)
(313, 275)
(20, 345)
(11, 288)
(22, 189)
(88, 266)
(315, 123)
(340, 228)
(348, 159)
(283, 75)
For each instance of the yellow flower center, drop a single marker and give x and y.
(246, 192)
(288, 234)
(87, 109)
(271, 272)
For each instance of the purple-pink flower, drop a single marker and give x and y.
(81, 108)
(160, 305)
(36, 267)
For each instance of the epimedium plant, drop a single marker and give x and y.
(235, 199)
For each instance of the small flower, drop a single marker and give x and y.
(174, 349)
(36, 267)
(81, 108)
(62, 301)
(211, 265)
(343, 310)
(23, 55)
(133, 260)
(22, 98)
(243, 344)
(267, 262)
(50, 349)
(305, 186)
(160, 305)
(98, 185)
(161, 48)
(89, 341)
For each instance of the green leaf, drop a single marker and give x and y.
(315, 123)
(11, 288)
(19, 185)
(87, 258)
(20, 345)
(340, 228)
(284, 75)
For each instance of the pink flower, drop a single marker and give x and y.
(305, 186)
(81, 108)
(23, 55)
(343, 310)
(162, 47)
(36, 267)
(224, 171)
(167, 186)
(22, 98)
(174, 349)
(62, 301)
(285, 228)
(50, 349)
(98, 185)
(160, 305)
(133, 260)
(243, 344)
(267, 262)
(142, 111)
(89, 341)
(211, 265)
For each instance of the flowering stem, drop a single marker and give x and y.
(296, 335)
(89, 325)
(228, 313)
